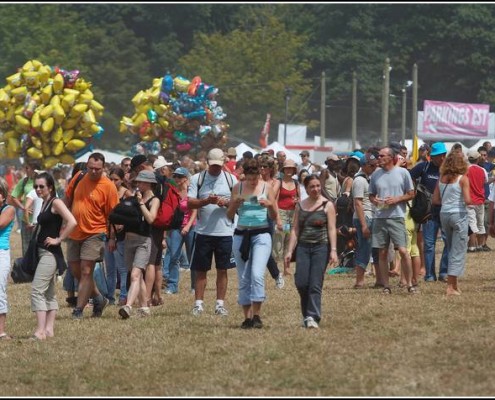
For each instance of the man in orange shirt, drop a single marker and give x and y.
(92, 201)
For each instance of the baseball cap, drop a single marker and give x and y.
(145, 176)
(182, 172)
(232, 152)
(437, 149)
(473, 154)
(137, 160)
(367, 158)
(216, 157)
(160, 162)
(333, 157)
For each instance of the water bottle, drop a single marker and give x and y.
(287, 228)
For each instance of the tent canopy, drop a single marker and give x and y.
(276, 146)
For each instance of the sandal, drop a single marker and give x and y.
(5, 336)
(412, 290)
(386, 290)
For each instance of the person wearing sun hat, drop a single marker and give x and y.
(427, 173)
(214, 231)
(137, 244)
(287, 192)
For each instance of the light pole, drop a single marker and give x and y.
(288, 92)
(404, 111)
(386, 92)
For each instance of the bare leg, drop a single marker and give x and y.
(3, 317)
(222, 280)
(359, 276)
(50, 323)
(200, 285)
(383, 266)
(452, 286)
(133, 292)
(87, 287)
(41, 323)
(406, 266)
(149, 278)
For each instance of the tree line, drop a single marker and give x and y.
(252, 52)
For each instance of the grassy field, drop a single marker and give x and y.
(368, 345)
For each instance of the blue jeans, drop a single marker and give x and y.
(114, 263)
(363, 250)
(251, 273)
(71, 284)
(311, 264)
(430, 232)
(171, 261)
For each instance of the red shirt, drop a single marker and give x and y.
(477, 178)
(286, 198)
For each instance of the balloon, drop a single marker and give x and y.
(167, 84)
(152, 116)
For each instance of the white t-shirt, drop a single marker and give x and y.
(212, 219)
(37, 203)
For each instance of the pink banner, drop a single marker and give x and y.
(455, 119)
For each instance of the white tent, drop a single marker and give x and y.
(242, 148)
(109, 156)
(276, 146)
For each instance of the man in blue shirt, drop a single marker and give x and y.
(428, 172)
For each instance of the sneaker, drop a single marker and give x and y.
(168, 291)
(125, 311)
(311, 323)
(71, 301)
(247, 324)
(198, 310)
(256, 321)
(279, 282)
(143, 312)
(221, 310)
(485, 248)
(98, 307)
(77, 313)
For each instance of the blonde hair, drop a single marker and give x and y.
(4, 188)
(454, 164)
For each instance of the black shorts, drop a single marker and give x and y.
(204, 248)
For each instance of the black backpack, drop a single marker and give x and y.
(420, 209)
(127, 213)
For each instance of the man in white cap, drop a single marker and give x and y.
(210, 192)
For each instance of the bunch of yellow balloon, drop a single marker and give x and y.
(48, 114)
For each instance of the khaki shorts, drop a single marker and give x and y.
(137, 251)
(90, 249)
(389, 229)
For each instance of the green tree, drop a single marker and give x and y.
(251, 66)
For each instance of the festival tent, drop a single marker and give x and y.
(109, 156)
(276, 146)
(242, 148)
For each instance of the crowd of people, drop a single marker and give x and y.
(261, 212)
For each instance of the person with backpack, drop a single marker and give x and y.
(91, 202)
(363, 218)
(210, 193)
(427, 173)
(7, 216)
(137, 245)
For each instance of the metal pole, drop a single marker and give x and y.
(288, 92)
(404, 111)
(414, 124)
(386, 93)
(354, 110)
(323, 109)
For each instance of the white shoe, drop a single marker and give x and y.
(197, 310)
(279, 282)
(221, 310)
(311, 323)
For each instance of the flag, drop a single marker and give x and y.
(265, 132)
(415, 150)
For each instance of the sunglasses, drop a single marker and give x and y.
(39, 186)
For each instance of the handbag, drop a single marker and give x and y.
(24, 268)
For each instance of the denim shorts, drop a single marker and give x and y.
(204, 248)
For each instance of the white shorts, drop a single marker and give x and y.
(476, 215)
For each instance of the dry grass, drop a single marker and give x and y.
(368, 345)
